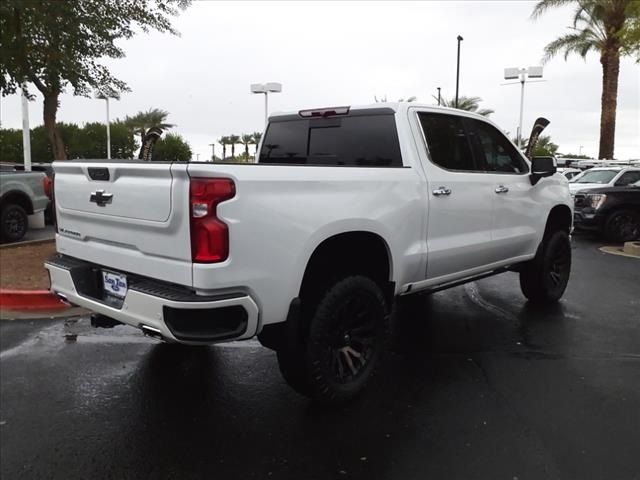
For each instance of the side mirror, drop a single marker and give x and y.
(541, 167)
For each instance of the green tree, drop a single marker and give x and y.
(233, 140)
(257, 136)
(384, 99)
(89, 141)
(224, 141)
(469, 104)
(93, 141)
(545, 147)
(55, 44)
(246, 139)
(171, 148)
(143, 121)
(610, 28)
(10, 145)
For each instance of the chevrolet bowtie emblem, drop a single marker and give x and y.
(101, 198)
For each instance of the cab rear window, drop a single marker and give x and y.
(353, 141)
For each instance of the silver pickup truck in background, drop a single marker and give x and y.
(21, 194)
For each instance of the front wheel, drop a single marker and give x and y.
(345, 340)
(13, 223)
(545, 278)
(622, 226)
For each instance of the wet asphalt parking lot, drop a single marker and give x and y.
(479, 386)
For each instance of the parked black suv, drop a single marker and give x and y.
(612, 211)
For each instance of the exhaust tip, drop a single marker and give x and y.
(63, 299)
(151, 332)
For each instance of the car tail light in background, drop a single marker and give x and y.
(46, 184)
(209, 235)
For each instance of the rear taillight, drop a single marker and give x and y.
(209, 235)
(46, 184)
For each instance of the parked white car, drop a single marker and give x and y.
(600, 177)
(569, 173)
(348, 209)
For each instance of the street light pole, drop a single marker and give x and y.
(522, 75)
(101, 95)
(438, 96)
(213, 151)
(266, 107)
(108, 131)
(458, 70)
(522, 78)
(26, 132)
(266, 88)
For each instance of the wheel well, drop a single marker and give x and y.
(345, 254)
(559, 219)
(17, 198)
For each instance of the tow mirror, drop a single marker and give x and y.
(543, 166)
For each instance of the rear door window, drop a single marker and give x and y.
(359, 140)
(628, 178)
(447, 141)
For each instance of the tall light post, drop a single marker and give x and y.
(458, 70)
(213, 151)
(105, 97)
(522, 74)
(438, 96)
(266, 88)
(26, 131)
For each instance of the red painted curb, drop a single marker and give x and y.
(29, 300)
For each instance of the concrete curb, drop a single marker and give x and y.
(29, 300)
(27, 243)
(13, 315)
(619, 251)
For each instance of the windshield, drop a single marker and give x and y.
(597, 176)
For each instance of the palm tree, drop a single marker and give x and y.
(233, 140)
(602, 26)
(384, 99)
(143, 121)
(470, 104)
(257, 136)
(224, 141)
(544, 146)
(246, 139)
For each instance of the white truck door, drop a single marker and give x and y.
(516, 214)
(460, 197)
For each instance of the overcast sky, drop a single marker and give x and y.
(345, 53)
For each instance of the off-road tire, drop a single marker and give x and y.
(622, 226)
(350, 317)
(14, 223)
(544, 279)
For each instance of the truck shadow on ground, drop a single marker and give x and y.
(207, 407)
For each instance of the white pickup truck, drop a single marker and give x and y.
(347, 209)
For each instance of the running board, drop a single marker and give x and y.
(457, 283)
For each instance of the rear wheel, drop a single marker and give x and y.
(545, 278)
(345, 340)
(13, 223)
(622, 226)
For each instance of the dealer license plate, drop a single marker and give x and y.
(114, 283)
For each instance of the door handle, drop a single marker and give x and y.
(442, 191)
(501, 189)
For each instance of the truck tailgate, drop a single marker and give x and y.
(129, 216)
